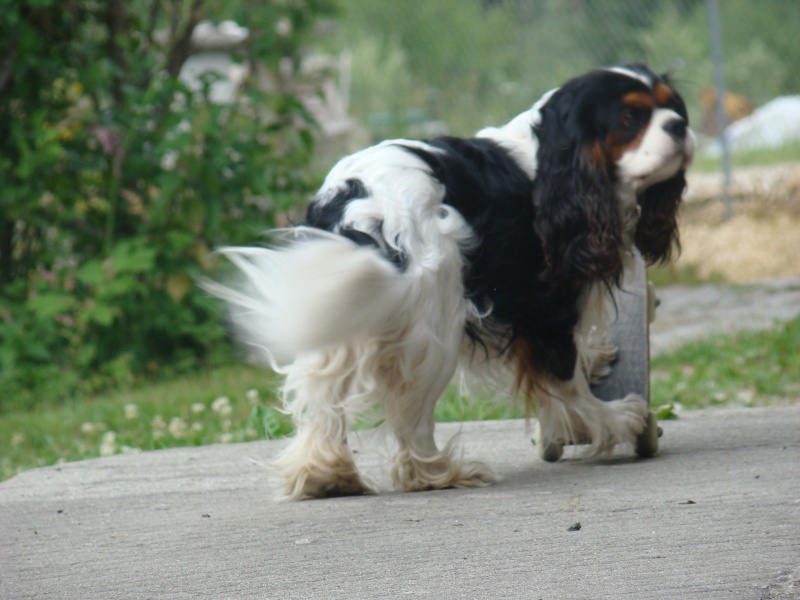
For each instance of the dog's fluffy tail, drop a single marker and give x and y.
(308, 294)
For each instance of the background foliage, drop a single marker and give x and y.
(116, 180)
(469, 64)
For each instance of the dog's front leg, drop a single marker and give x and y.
(568, 410)
(569, 413)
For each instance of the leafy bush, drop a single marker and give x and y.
(117, 180)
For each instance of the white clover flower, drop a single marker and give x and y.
(222, 406)
(252, 396)
(225, 438)
(131, 412)
(109, 444)
(177, 428)
(158, 426)
(197, 427)
(88, 428)
(197, 408)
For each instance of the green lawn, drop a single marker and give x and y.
(237, 403)
(225, 405)
(747, 368)
(766, 156)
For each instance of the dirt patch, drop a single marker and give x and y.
(761, 241)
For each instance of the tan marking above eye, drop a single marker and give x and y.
(662, 93)
(638, 100)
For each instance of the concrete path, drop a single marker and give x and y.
(688, 313)
(715, 515)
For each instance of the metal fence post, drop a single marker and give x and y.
(722, 117)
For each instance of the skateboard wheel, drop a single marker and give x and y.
(647, 441)
(652, 302)
(548, 451)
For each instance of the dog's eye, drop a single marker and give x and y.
(632, 118)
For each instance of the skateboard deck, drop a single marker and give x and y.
(631, 311)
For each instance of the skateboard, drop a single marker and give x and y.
(633, 305)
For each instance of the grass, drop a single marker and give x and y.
(746, 368)
(229, 404)
(670, 274)
(237, 404)
(789, 152)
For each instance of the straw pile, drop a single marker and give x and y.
(761, 241)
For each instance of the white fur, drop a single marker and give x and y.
(516, 138)
(301, 297)
(633, 74)
(658, 156)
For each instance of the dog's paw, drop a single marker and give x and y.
(617, 421)
(336, 476)
(313, 482)
(473, 474)
(441, 473)
(631, 416)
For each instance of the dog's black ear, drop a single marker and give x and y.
(657, 229)
(576, 216)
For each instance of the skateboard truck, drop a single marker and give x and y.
(634, 305)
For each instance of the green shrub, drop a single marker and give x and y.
(116, 181)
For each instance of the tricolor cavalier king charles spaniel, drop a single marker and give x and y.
(492, 255)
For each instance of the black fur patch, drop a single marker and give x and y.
(329, 214)
(504, 272)
(397, 257)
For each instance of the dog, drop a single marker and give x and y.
(492, 255)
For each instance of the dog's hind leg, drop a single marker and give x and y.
(318, 462)
(419, 464)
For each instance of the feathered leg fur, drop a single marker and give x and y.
(326, 392)
(321, 395)
(569, 411)
(409, 405)
(370, 337)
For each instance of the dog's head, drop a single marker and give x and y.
(613, 148)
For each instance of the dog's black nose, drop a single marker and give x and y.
(676, 128)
